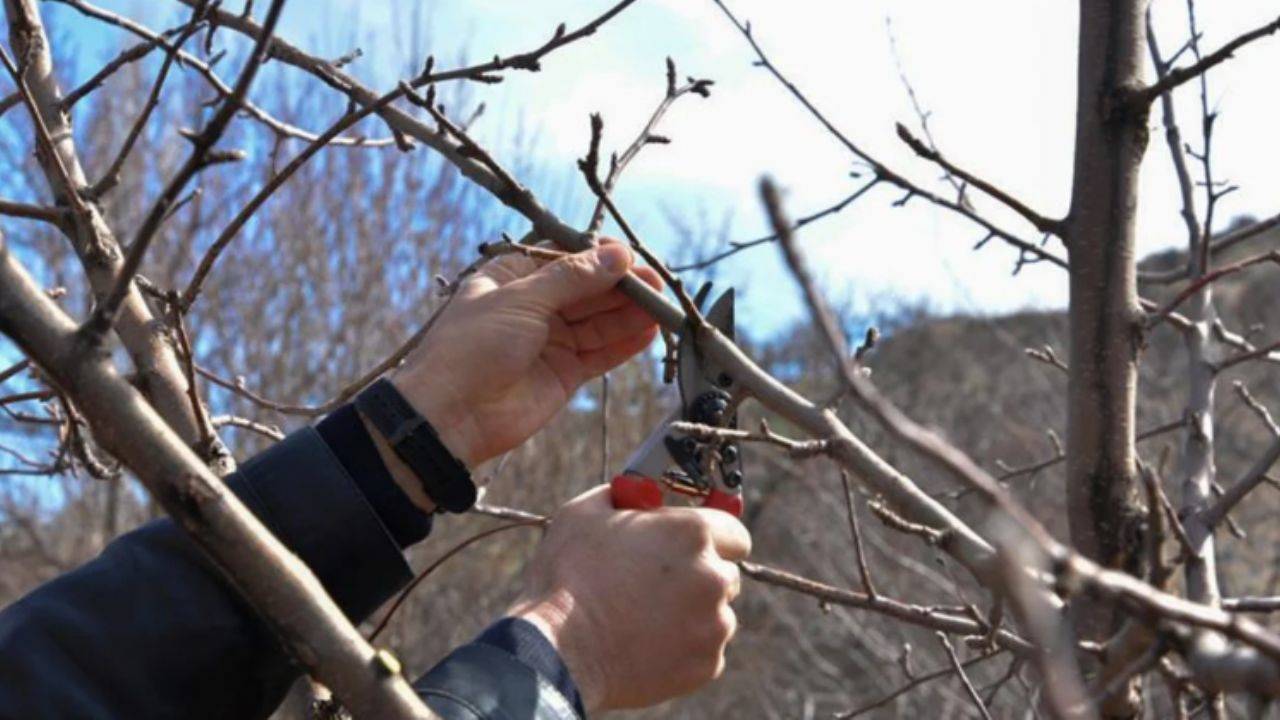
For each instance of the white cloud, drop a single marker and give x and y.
(998, 77)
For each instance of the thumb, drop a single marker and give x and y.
(578, 276)
(597, 500)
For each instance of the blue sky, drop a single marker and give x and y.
(996, 75)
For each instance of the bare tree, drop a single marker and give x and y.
(1089, 617)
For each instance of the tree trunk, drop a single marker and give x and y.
(159, 373)
(1104, 511)
(1105, 318)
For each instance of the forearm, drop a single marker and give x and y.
(151, 629)
(511, 669)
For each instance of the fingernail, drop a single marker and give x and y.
(614, 257)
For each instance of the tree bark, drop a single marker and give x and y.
(159, 373)
(1105, 318)
(1103, 493)
(271, 578)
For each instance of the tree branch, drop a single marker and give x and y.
(1178, 76)
(958, 668)
(111, 177)
(796, 449)
(95, 244)
(104, 314)
(878, 476)
(1042, 223)
(738, 246)
(883, 172)
(1215, 513)
(647, 136)
(271, 578)
(53, 215)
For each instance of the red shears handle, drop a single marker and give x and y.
(634, 492)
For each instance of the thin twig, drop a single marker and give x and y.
(347, 392)
(1208, 278)
(273, 184)
(737, 246)
(920, 615)
(426, 572)
(1027, 251)
(796, 449)
(647, 136)
(1217, 245)
(1268, 352)
(44, 139)
(958, 668)
(1257, 407)
(1251, 604)
(208, 438)
(14, 369)
(1041, 222)
(1181, 75)
(1047, 356)
(270, 431)
(589, 166)
(855, 531)
(53, 215)
(1250, 480)
(914, 682)
(104, 314)
(111, 177)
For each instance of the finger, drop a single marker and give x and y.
(649, 276)
(602, 303)
(595, 500)
(597, 362)
(605, 329)
(559, 334)
(731, 539)
(576, 277)
(613, 299)
(732, 577)
(507, 268)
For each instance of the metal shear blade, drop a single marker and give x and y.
(686, 462)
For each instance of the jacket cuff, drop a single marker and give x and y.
(482, 682)
(525, 642)
(302, 492)
(345, 434)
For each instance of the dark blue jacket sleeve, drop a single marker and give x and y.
(150, 629)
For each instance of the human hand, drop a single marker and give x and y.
(515, 342)
(636, 602)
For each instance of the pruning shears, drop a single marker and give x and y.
(694, 464)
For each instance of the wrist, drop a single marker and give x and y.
(553, 618)
(448, 415)
(401, 474)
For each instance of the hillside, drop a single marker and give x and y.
(968, 376)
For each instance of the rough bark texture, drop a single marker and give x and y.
(272, 579)
(159, 373)
(1105, 318)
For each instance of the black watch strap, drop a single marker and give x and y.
(444, 478)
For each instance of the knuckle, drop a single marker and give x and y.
(575, 266)
(724, 625)
(691, 531)
(745, 540)
(724, 583)
(710, 667)
(712, 585)
(734, 578)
